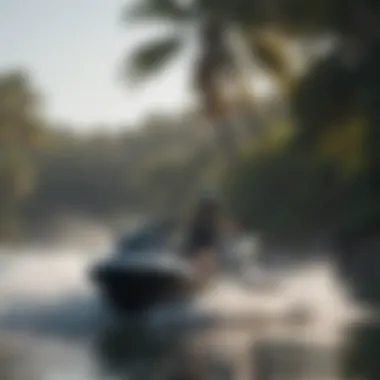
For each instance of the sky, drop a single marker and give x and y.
(74, 50)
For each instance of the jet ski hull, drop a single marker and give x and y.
(137, 290)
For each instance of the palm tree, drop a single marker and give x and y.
(208, 24)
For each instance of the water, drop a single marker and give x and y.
(53, 326)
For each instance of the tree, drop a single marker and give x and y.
(207, 23)
(20, 128)
(352, 24)
(343, 89)
(20, 119)
(334, 101)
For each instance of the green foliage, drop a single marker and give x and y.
(20, 130)
(295, 15)
(282, 194)
(17, 176)
(155, 169)
(278, 188)
(316, 170)
(20, 122)
(153, 56)
(156, 9)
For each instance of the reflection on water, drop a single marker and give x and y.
(363, 357)
(278, 359)
(52, 326)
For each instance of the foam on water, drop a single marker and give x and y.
(46, 295)
(313, 294)
(43, 277)
(46, 278)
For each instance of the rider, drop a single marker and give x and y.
(203, 229)
(206, 231)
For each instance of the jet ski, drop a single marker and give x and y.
(143, 272)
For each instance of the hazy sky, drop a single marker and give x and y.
(74, 50)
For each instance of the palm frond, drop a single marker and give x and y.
(157, 9)
(153, 57)
(270, 51)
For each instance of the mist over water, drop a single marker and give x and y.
(52, 319)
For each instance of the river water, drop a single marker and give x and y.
(295, 324)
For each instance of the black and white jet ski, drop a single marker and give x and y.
(143, 272)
